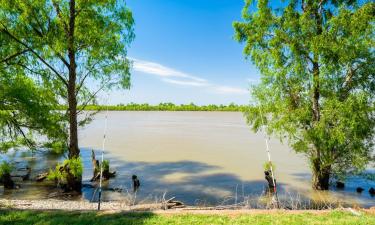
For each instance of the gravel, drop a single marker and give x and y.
(52, 204)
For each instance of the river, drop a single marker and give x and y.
(200, 158)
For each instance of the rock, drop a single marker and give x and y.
(340, 185)
(371, 191)
(359, 189)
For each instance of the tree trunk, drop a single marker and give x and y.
(7, 181)
(96, 169)
(321, 175)
(72, 98)
(73, 127)
(73, 183)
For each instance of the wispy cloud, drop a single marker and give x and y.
(173, 76)
(186, 82)
(160, 70)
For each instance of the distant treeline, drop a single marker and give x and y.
(167, 107)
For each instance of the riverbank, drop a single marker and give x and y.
(182, 216)
(166, 107)
(120, 206)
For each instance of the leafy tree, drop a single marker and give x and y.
(70, 42)
(317, 88)
(25, 105)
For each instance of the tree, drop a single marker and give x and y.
(25, 110)
(70, 42)
(25, 105)
(316, 60)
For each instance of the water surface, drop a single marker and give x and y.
(199, 158)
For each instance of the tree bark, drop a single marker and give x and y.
(321, 175)
(95, 166)
(73, 127)
(74, 183)
(316, 91)
(72, 98)
(96, 169)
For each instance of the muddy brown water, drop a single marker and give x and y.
(200, 158)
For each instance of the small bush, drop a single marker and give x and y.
(75, 166)
(267, 166)
(105, 165)
(5, 168)
(60, 175)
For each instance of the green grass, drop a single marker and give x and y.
(59, 217)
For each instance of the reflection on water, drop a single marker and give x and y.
(197, 157)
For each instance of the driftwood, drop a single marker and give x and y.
(96, 169)
(172, 204)
(41, 177)
(168, 204)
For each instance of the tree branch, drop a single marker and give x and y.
(18, 127)
(36, 54)
(92, 96)
(346, 86)
(85, 76)
(14, 55)
(58, 12)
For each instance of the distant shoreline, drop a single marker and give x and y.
(166, 107)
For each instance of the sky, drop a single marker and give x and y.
(184, 52)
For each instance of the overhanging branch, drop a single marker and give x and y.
(35, 53)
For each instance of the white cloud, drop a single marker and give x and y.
(186, 82)
(173, 76)
(160, 70)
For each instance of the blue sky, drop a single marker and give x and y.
(184, 52)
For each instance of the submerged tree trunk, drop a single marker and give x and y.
(73, 183)
(321, 175)
(95, 166)
(96, 169)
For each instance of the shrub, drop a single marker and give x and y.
(60, 175)
(267, 166)
(105, 165)
(5, 168)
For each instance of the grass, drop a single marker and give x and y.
(60, 217)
